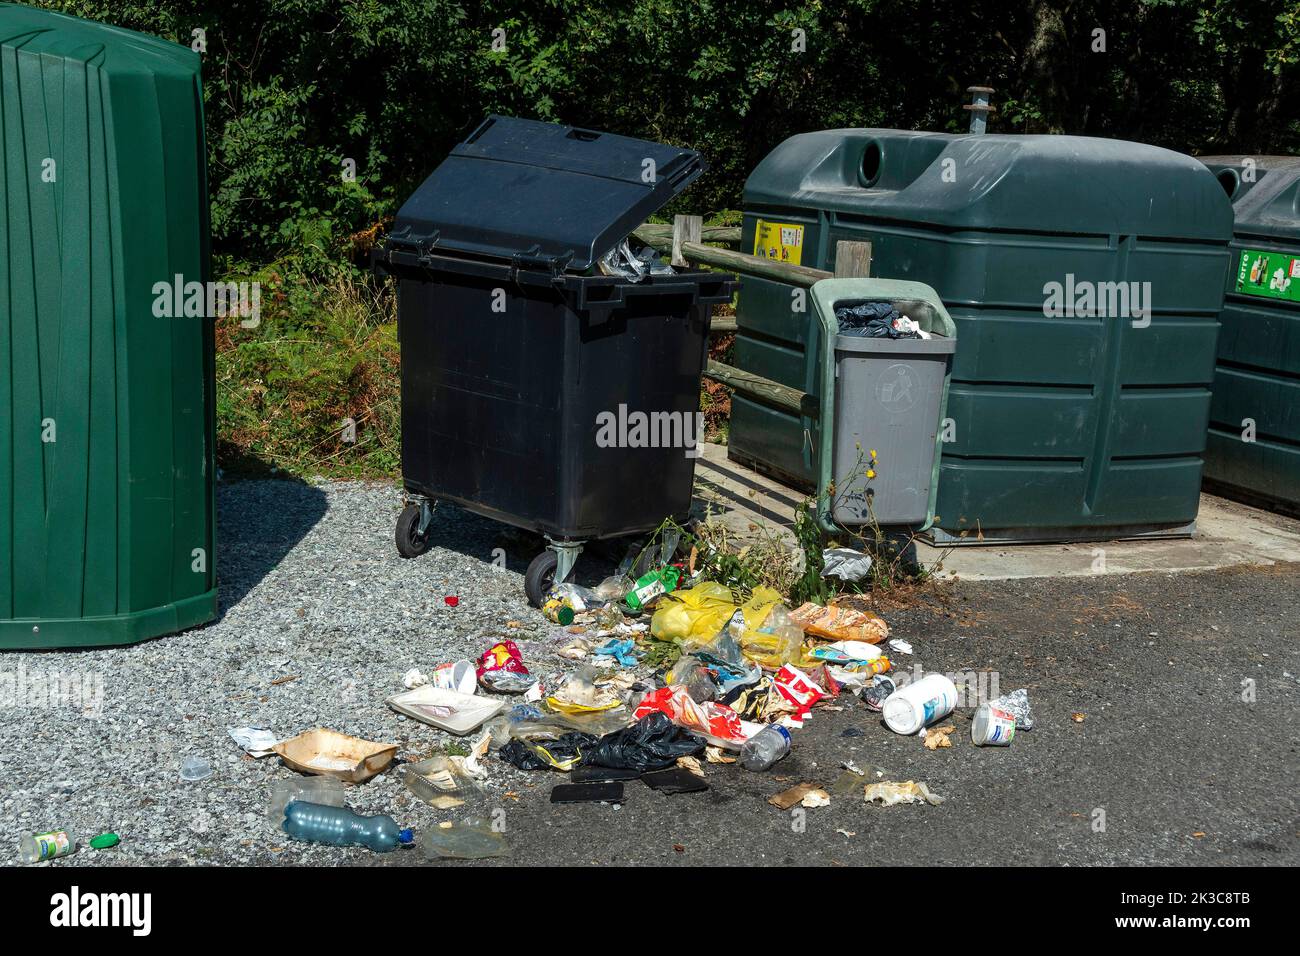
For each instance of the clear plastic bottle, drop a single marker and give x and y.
(34, 847)
(765, 748)
(339, 826)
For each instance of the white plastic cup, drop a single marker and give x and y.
(458, 676)
(992, 727)
(921, 702)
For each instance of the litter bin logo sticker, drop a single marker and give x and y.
(782, 241)
(897, 389)
(1273, 275)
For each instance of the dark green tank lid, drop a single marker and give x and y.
(1046, 184)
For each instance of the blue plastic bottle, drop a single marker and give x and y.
(339, 826)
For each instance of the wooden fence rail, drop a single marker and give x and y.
(686, 239)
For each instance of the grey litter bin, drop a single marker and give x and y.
(890, 397)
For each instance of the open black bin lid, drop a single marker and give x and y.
(540, 194)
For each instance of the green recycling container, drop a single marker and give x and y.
(1085, 280)
(1253, 450)
(107, 421)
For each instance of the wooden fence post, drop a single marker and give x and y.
(852, 260)
(685, 229)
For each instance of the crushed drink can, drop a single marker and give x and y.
(874, 696)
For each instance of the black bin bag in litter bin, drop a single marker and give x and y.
(519, 352)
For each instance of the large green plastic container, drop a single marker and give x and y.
(106, 421)
(1060, 427)
(1253, 451)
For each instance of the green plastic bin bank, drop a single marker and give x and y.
(107, 417)
(1253, 450)
(1065, 426)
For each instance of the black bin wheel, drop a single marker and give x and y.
(540, 577)
(410, 543)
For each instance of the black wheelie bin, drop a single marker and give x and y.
(547, 381)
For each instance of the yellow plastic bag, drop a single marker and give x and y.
(759, 606)
(698, 612)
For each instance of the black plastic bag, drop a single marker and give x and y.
(871, 320)
(562, 753)
(652, 743)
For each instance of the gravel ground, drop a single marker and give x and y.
(320, 619)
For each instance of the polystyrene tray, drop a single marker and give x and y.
(447, 710)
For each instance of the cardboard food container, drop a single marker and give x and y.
(333, 754)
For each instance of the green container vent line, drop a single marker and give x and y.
(1084, 277)
(106, 427)
(1253, 449)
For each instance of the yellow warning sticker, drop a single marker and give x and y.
(779, 240)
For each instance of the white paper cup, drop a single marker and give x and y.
(992, 727)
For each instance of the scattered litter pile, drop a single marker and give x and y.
(661, 675)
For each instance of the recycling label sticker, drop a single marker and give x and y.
(782, 241)
(1274, 275)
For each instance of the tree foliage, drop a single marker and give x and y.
(294, 88)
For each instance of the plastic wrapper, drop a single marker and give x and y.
(840, 623)
(607, 618)
(326, 791)
(825, 680)
(696, 676)
(525, 722)
(621, 651)
(614, 588)
(579, 694)
(778, 642)
(722, 657)
(798, 688)
(438, 778)
(622, 261)
(846, 654)
(877, 692)
(502, 656)
(653, 743)
(752, 702)
(716, 723)
(508, 682)
(1016, 703)
(845, 564)
(854, 680)
(774, 651)
(889, 793)
(464, 840)
(582, 599)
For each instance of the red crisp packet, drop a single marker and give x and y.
(797, 687)
(715, 722)
(501, 657)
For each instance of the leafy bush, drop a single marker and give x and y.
(323, 357)
(294, 88)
